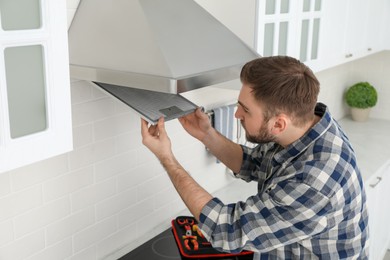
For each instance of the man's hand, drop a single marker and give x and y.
(156, 139)
(197, 124)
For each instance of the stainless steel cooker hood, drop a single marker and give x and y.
(168, 46)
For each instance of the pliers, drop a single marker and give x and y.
(194, 241)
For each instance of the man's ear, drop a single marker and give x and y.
(280, 124)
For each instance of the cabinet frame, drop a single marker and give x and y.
(57, 137)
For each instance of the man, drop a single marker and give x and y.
(310, 202)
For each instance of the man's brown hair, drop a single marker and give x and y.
(282, 85)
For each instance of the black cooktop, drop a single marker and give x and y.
(163, 247)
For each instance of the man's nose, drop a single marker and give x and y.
(238, 113)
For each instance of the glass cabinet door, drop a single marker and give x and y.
(24, 69)
(273, 27)
(26, 89)
(289, 28)
(310, 30)
(20, 14)
(35, 114)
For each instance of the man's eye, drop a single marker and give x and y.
(243, 108)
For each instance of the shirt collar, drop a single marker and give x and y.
(308, 138)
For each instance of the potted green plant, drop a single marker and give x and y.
(360, 97)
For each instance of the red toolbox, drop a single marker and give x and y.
(192, 243)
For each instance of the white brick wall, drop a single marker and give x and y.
(89, 203)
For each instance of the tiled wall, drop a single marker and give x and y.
(110, 190)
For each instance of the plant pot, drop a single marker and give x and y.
(360, 114)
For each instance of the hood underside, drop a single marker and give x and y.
(168, 46)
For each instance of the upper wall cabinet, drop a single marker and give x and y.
(287, 27)
(376, 25)
(351, 30)
(320, 33)
(35, 113)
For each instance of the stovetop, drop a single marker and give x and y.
(163, 247)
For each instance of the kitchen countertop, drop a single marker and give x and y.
(371, 142)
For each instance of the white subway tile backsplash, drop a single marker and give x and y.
(152, 186)
(66, 184)
(111, 206)
(81, 92)
(6, 232)
(92, 111)
(115, 165)
(97, 92)
(128, 141)
(137, 211)
(92, 194)
(88, 253)
(23, 247)
(39, 218)
(94, 234)
(116, 241)
(39, 172)
(82, 135)
(156, 220)
(90, 154)
(114, 126)
(69, 225)
(145, 156)
(61, 250)
(137, 175)
(164, 197)
(5, 184)
(20, 202)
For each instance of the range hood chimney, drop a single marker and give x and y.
(169, 46)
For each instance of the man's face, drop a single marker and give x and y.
(250, 113)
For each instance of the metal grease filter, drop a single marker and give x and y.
(151, 105)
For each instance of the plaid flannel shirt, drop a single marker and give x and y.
(310, 202)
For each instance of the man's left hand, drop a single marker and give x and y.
(156, 139)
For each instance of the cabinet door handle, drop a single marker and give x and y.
(378, 180)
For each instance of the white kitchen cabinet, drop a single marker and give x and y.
(355, 42)
(289, 28)
(378, 193)
(376, 26)
(35, 113)
(350, 30)
(275, 21)
(322, 34)
(332, 35)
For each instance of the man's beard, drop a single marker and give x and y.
(262, 136)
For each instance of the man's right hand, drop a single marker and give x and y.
(197, 124)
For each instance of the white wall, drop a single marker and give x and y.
(374, 69)
(110, 190)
